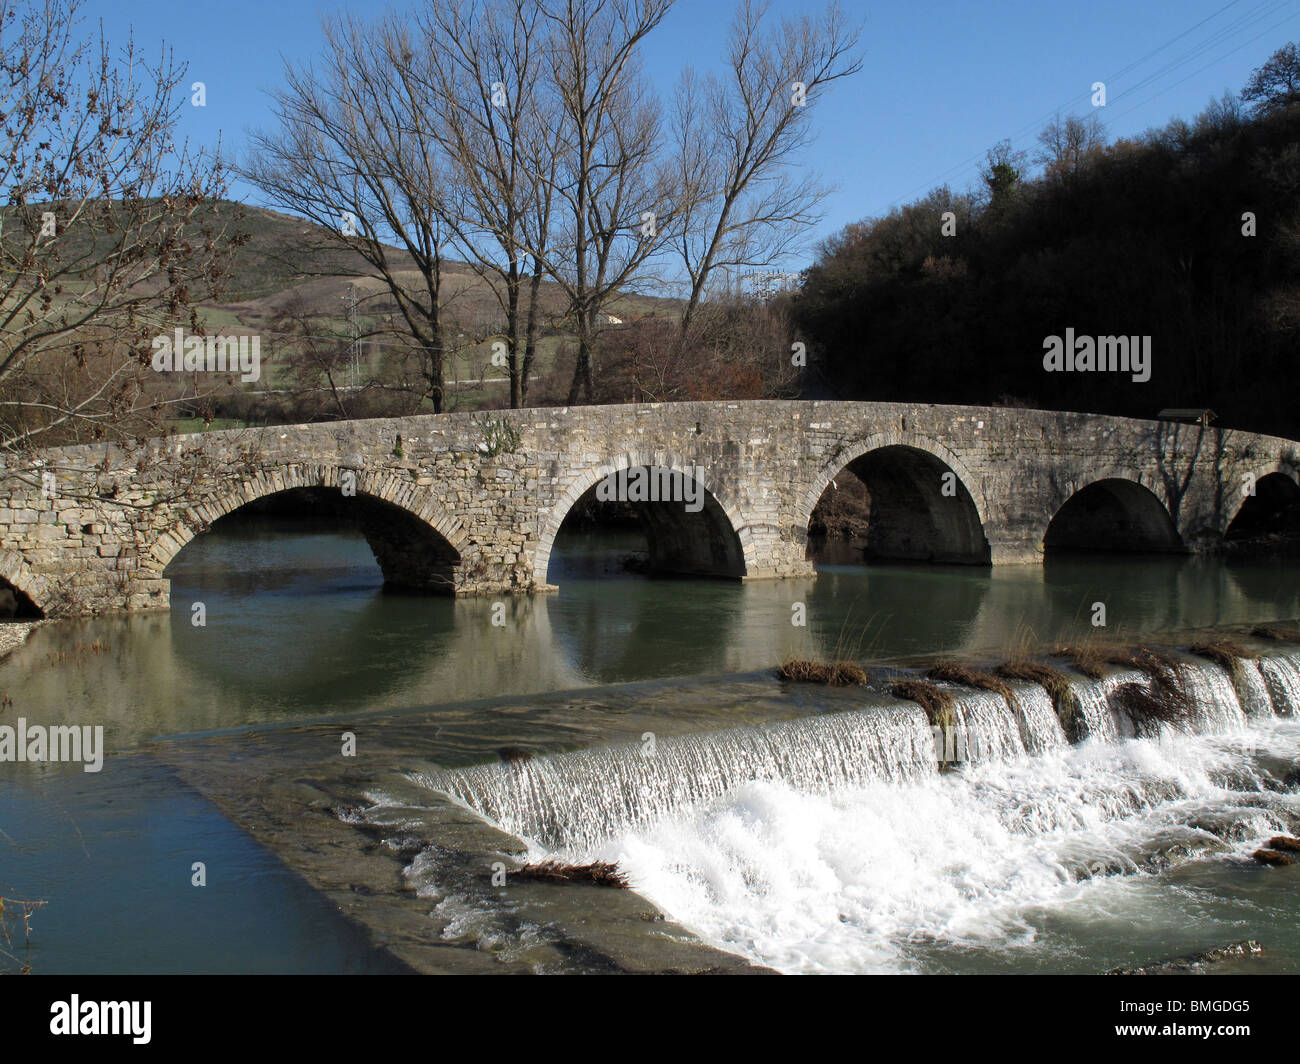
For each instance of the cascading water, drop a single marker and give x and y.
(574, 800)
(1282, 675)
(1040, 727)
(836, 843)
(1252, 690)
(1216, 705)
(1093, 698)
(991, 727)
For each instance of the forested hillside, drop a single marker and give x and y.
(1189, 234)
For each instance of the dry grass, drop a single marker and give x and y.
(956, 672)
(1153, 704)
(836, 674)
(1091, 661)
(1224, 653)
(598, 873)
(1232, 658)
(514, 755)
(1277, 633)
(937, 703)
(1055, 683)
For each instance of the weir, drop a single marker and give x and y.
(575, 803)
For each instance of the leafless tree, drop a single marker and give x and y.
(484, 69)
(614, 197)
(110, 231)
(319, 352)
(356, 151)
(1066, 145)
(742, 143)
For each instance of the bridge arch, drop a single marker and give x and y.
(727, 529)
(927, 504)
(1275, 491)
(416, 545)
(1113, 513)
(31, 590)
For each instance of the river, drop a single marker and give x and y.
(1018, 863)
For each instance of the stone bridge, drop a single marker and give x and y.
(91, 528)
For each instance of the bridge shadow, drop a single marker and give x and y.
(410, 553)
(1112, 515)
(903, 504)
(680, 528)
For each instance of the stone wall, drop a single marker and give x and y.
(100, 539)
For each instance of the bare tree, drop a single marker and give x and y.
(614, 199)
(357, 153)
(739, 139)
(319, 353)
(110, 233)
(1067, 144)
(483, 69)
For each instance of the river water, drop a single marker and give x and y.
(1015, 863)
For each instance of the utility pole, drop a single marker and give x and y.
(352, 302)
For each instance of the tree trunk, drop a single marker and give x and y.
(532, 328)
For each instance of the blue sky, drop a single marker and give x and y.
(943, 80)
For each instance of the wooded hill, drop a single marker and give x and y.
(1189, 234)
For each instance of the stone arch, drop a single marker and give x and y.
(17, 574)
(1275, 491)
(724, 509)
(1113, 513)
(917, 521)
(433, 563)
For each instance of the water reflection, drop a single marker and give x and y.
(298, 625)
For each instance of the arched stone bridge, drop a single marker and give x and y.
(90, 528)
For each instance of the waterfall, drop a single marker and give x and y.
(1252, 690)
(1283, 679)
(1216, 706)
(991, 728)
(575, 802)
(1093, 696)
(1040, 727)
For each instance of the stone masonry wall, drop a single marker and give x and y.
(99, 534)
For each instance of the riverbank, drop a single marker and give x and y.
(13, 634)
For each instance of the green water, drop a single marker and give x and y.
(298, 627)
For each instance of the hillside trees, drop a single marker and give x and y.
(109, 234)
(1189, 234)
(1275, 86)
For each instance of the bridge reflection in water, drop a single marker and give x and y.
(298, 624)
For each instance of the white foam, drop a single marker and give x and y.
(848, 881)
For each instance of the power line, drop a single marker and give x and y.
(1207, 66)
(1247, 19)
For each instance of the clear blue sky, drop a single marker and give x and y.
(943, 79)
